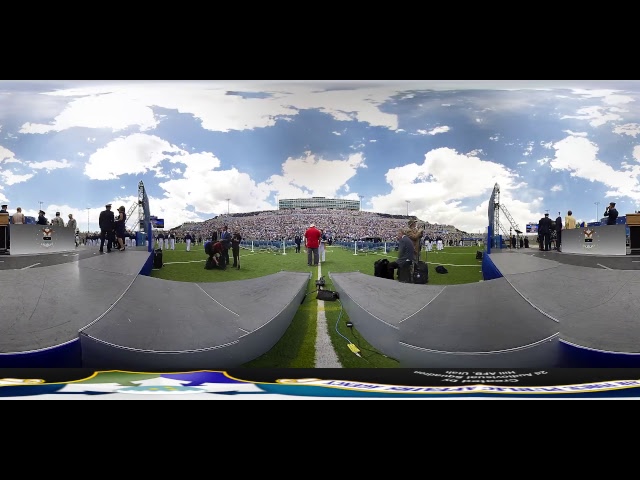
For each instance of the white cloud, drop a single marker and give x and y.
(579, 157)
(50, 165)
(437, 187)
(573, 134)
(119, 106)
(596, 115)
(133, 155)
(9, 178)
(556, 188)
(630, 129)
(320, 177)
(433, 131)
(115, 111)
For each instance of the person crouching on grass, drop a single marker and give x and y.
(215, 251)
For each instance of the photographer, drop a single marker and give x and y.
(611, 213)
(414, 235)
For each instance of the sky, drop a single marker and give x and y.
(433, 148)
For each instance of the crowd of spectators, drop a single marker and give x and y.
(340, 226)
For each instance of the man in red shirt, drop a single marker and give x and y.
(312, 243)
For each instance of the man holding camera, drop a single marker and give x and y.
(414, 235)
(611, 213)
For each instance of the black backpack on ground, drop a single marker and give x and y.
(157, 258)
(420, 272)
(381, 269)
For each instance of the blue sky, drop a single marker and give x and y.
(434, 148)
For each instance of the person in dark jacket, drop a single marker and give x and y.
(406, 253)
(236, 238)
(544, 229)
(215, 251)
(558, 232)
(106, 222)
(611, 213)
(42, 220)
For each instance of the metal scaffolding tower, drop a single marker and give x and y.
(497, 225)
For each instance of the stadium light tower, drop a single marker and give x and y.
(361, 197)
(408, 202)
(40, 205)
(88, 220)
(596, 204)
(228, 206)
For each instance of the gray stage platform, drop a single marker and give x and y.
(45, 306)
(487, 324)
(161, 324)
(597, 308)
(124, 320)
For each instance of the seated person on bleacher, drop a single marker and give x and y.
(406, 256)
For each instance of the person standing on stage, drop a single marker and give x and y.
(18, 217)
(120, 227)
(4, 209)
(611, 213)
(558, 232)
(544, 230)
(106, 222)
(57, 220)
(42, 220)
(569, 221)
(72, 224)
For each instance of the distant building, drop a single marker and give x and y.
(318, 202)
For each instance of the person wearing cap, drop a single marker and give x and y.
(106, 222)
(415, 235)
(57, 220)
(312, 243)
(544, 231)
(611, 213)
(42, 220)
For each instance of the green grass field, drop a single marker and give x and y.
(296, 349)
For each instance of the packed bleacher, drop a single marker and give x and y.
(341, 226)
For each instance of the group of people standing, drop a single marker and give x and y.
(546, 227)
(112, 228)
(19, 218)
(218, 249)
